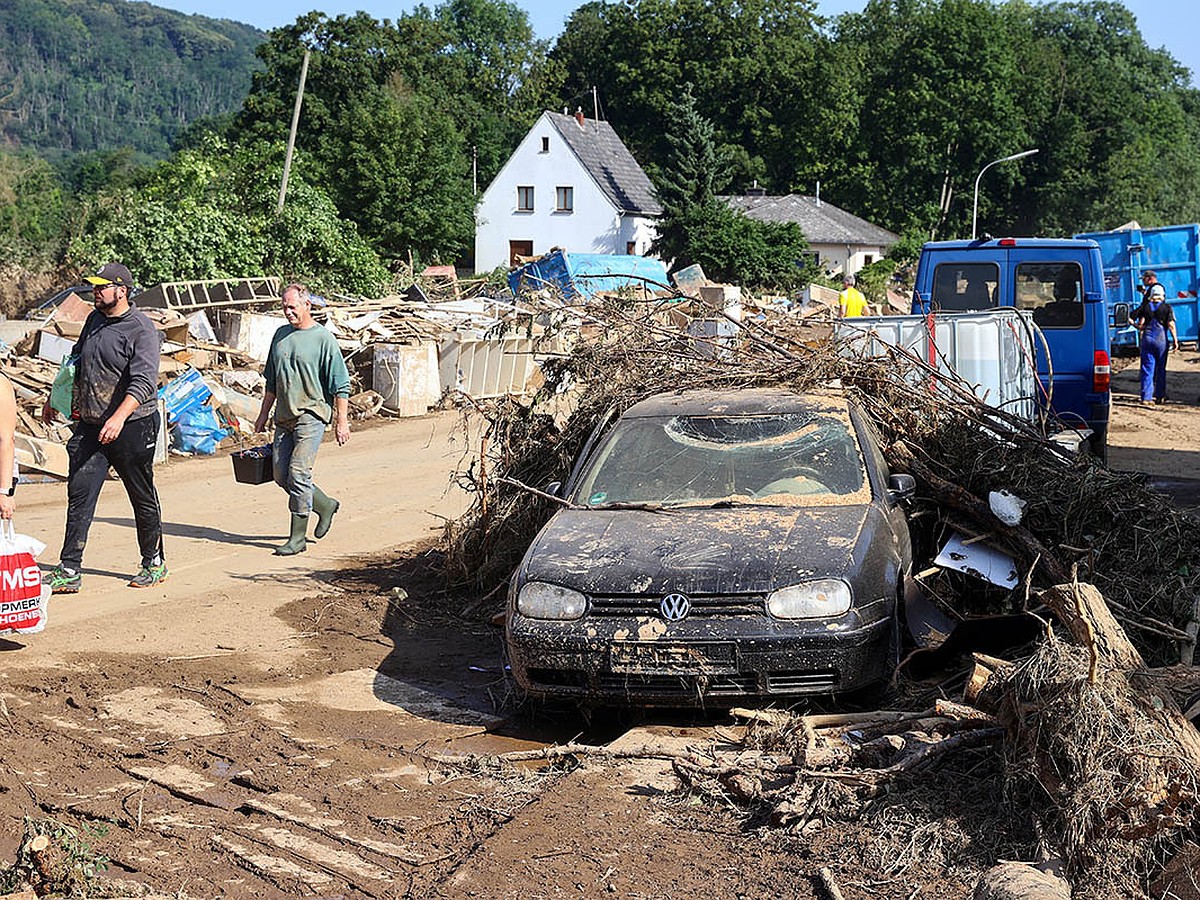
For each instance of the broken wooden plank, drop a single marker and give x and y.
(275, 870)
(185, 784)
(41, 455)
(340, 862)
(276, 805)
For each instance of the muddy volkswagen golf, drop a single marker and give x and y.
(716, 546)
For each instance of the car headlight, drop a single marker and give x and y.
(811, 600)
(539, 600)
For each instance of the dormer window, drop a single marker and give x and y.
(545, 145)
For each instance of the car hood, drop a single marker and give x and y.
(751, 549)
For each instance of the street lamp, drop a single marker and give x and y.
(975, 205)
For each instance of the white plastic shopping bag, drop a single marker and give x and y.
(23, 595)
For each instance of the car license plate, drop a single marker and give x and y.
(651, 657)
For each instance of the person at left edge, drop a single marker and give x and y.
(8, 434)
(115, 411)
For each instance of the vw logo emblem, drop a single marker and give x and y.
(675, 607)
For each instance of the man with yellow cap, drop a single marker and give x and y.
(114, 409)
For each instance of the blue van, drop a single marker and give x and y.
(1061, 282)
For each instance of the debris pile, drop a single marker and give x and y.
(1093, 749)
(405, 353)
(1105, 527)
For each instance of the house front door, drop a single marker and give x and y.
(519, 248)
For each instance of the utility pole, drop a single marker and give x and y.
(291, 144)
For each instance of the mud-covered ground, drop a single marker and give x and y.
(327, 777)
(327, 726)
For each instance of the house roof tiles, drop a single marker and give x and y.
(821, 221)
(609, 162)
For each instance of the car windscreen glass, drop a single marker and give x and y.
(800, 458)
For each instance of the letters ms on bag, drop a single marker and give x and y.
(23, 596)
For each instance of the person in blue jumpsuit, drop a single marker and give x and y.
(1156, 321)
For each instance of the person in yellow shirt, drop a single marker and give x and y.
(851, 302)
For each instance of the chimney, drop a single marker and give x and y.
(818, 193)
(579, 115)
(755, 191)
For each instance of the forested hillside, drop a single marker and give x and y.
(82, 75)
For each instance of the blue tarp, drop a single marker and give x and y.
(582, 275)
(198, 430)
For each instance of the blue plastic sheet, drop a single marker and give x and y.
(582, 275)
(198, 430)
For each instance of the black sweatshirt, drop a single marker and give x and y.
(118, 357)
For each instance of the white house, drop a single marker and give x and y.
(841, 241)
(571, 183)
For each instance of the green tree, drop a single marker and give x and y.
(757, 67)
(89, 75)
(936, 106)
(1116, 121)
(697, 227)
(210, 213)
(409, 194)
(395, 115)
(32, 208)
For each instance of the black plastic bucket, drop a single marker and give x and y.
(253, 465)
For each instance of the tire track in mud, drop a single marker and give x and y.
(215, 780)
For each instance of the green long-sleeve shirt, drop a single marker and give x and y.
(305, 371)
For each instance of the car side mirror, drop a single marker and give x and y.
(902, 488)
(1120, 314)
(554, 489)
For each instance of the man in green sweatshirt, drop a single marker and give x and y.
(309, 385)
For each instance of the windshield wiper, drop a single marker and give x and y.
(650, 507)
(729, 503)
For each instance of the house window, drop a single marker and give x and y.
(545, 145)
(525, 198)
(631, 248)
(564, 199)
(868, 258)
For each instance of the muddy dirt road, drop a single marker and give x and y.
(270, 727)
(260, 726)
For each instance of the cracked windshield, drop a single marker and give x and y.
(789, 458)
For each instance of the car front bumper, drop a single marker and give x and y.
(705, 662)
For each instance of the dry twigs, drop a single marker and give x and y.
(1141, 552)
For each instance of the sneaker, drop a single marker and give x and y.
(149, 576)
(63, 582)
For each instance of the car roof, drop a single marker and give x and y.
(742, 402)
